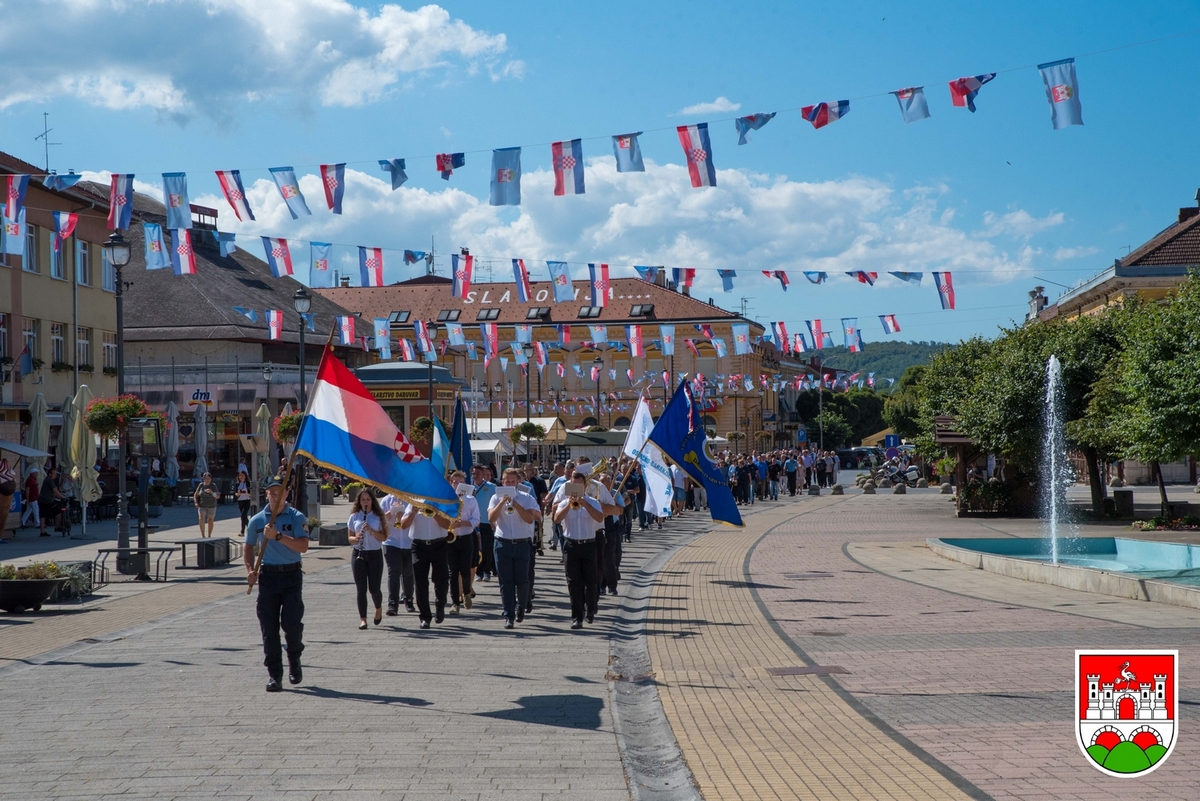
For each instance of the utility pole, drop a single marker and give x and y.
(45, 137)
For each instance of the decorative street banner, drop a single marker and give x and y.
(698, 150)
(289, 188)
(506, 177)
(175, 198)
(560, 276)
(912, 103)
(566, 158)
(1062, 90)
(628, 152)
(235, 193)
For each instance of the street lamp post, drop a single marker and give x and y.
(527, 349)
(431, 330)
(268, 372)
(492, 388)
(598, 363)
(118, 253)
(302, 302)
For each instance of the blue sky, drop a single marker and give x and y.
(996, 197)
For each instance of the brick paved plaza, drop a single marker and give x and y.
(821, 652)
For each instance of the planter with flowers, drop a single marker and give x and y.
(28, 587)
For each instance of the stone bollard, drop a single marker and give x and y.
(813, 489)
(947, 489)
(883, 483)
(922, 484)
(334, 534)
(1116, 482)
(869, 488)
(836, 489)
(1123, 503)
(900, 489)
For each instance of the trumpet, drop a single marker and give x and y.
(509, 510)
(425, 510)
(575, 504)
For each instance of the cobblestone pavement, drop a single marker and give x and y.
(159, 694)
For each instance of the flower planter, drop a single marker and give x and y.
(154, 511)
(19, 595)
(327, 497)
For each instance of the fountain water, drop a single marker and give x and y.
(1056, 475)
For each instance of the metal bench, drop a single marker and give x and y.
(100, 571)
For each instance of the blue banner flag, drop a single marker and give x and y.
(850, 331)
(61, 182)
(319, 274)
(289, 188)
(628, 152)
(815, 277)
(506, 177)
(175, 198)
(310, 320)
(908, 278)
(249, 314)
(667, 332)
(158, 256)
(647, 274)
(1062, 90)
(560, 277)
(413, 256)
(727, 277)
(750, 123)
(14, 235)
(225, 241)
(912, 103)
(741, 338)
(396, 168)
(679, 433)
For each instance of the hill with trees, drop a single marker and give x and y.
(884, 359)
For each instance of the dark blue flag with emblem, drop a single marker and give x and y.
(679, 434)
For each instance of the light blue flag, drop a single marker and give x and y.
(289, 187)
(741, 338)
(158, 257)
(175, 198)
(751, 123)
(14, 235)
(506, 177)
(912, 103)
(249, 314)
(560, 276)
(319, 274)
(383, 333)
(385, 353)
(909, 278)
(60, 182)
(667, 332)
(225, 242)
(440, 449)
(310, 320)
(719, 344)
(816, 277)
(519, 354)
(454, 332)
(472, 354)
(1062, 90)
(396, 168)
(628, 152)
(727, 277)
(523, 332)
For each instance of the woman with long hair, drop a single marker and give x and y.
(241, 489)
(368, 529)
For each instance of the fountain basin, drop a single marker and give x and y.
(1164, 572)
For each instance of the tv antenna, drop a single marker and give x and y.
(746, 308)
(45, 137)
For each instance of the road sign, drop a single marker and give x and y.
(892, 453)
(891, 441)
(801, 435)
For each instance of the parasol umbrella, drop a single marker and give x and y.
(83, 455)
(201, 442)
(287, 446)
(172, 444)
(62, 453)
(262, 430)
(38, 435)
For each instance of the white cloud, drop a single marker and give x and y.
(1020, 223)
(720, 105)
(1062, 254)
(189, 57)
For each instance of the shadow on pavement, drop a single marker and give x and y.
(370, 698)
(568, 711)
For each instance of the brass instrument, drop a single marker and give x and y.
(575, 504)
(425, 510)
(508, 509)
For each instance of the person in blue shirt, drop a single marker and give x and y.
(280, 581)
(790, 467)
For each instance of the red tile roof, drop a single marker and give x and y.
(1178, 244)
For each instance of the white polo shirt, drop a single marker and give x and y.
(468, 516)
(358, 523)
(512, 527)
(578, 524)
(394, 509)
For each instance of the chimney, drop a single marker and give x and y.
(1188, 212)
(686, 291)
(660, 278)
(1037, 302)
(346, 281)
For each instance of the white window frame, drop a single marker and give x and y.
(83, 263)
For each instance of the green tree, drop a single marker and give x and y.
(902, 409)
(837, 431)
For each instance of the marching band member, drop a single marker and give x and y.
(461, 553)
(580, 517)
(429, 556)
(483, 497)
(368, 530)
(397, 554)
(513, 518)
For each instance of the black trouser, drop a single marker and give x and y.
(820, 479)
(612, 554)
(807, 477)
(487, 544)
(280, 605)
(368, 572)
(580, 559)
(400, 569)
(601, 540)
(244, 509)
(791, 478)
(532, 572)
(460, 558)
(430, 557)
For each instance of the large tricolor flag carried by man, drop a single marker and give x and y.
(567, 159)
(655, 472)
(679, 434)
(235, 193)
(945, 288)
(698, 150)
(822, 114)
(345, 429)
(120, 201)
(279, 256)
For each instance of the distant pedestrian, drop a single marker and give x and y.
(206, 497)
(242, 492)
(790, 467)
(8, 488)
(32, 515)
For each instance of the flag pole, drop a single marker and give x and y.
(287, 473)
(624, 478)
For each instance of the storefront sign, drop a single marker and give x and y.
(396, 394)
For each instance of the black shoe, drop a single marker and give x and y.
(392, 611)
(508, 624)
(575, 624)
(424, 624)
(273, 685)
(440, 615)
(521, 615)
(410, 607)
(295, 672)
(362, 626)
(591, 619)
(553, 548)
(43, 534)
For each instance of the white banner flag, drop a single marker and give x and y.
(655, 473)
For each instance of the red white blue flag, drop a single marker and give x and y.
(463, 267)
(274, 323)
(345, 325)
(780, 274)
(567, 159)
(491, 339)
(964, 90)
(705, 329)
(421, 332)
(698, 150)
(564, 333)
(447, 163)
(540, 354)
(521, 277)
(235, 193)
(279, 256)
(289, 188)
(333, 178)
(183, 256)
(599, 284)
(120, 201)
(64, 226)
(14, 194)
(799, 345)
(863, 277)
(406, 351)
(815, 332)
(633, 333)
(822, 114)
(370, 266)
(890, 326)
(945, 288)
(683, 276)
(781, 336)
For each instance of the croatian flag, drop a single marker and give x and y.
(345, 324)
(633, 334)
(561, 369)
(521, 277)
(183, 256)
(816, 277)
(120, 201)
(628, 152)
(406, 351)
(560, 277)
(815, 333)
(447, 163)
(175, 198)
(463, 267)
(14, 194)
(647, 274)
(822, 114)
(395, 167)
(696, 147)
(421, 332)
(235, 193)
(890, 326)
(564, 333)
(850, 332)
(912, 103)
(333, 178)
(750, 123)
(964, 90)
(157, 252)
(595, 373)
(370, 266)
(667, 332)
(64, 226)
(863, 277)
(491, 339)
(945, 288)
(274, 323)
(727, 277)
(289, 188)
(346, 430)
(279, 256)
(567, 159)
(782, 332)
(908, 278)
(540, 354)
(799, 345)
(780, 274)
(705, 329)
(599, 284)
(683, 276)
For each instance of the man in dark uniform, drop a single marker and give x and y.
(429, 559)
(280, 581)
